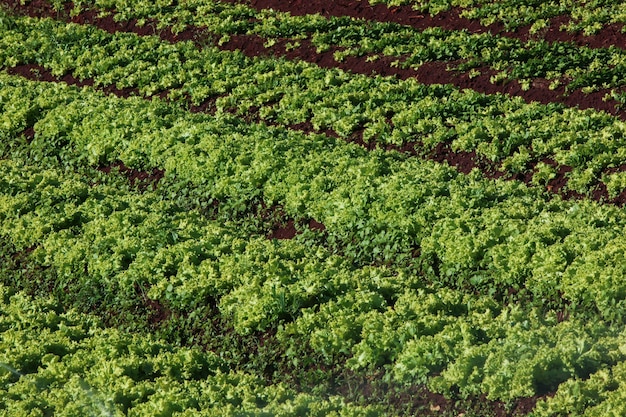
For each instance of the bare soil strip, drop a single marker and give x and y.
(451, 20)
(428, 73)
(431, 73)
(417, 397)
(285, 228)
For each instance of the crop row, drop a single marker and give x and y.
(600, 21)
(589, 17)
(561, 63)
(473, 235)
(235, 19)
(66, 364)
(466, 284)
(515, 136)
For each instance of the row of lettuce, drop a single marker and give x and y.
(587, 16)
(428, 319)
(468, 285)
(515, 136)
(562, 63)
(64, 363)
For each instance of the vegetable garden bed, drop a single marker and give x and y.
(311, 208)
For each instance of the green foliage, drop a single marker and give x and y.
(497, 128)
(468, 285)
(588, 17)
(66, 364)
(589, 68)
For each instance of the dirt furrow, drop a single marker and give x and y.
(432, 73)
(429, 73)
(450, 20)
(463, 161)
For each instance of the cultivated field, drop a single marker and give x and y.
(312, 208)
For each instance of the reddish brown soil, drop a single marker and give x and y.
(463, 161)
(282, 226)
(417, 397)
(38, 73)
(29, 133)
(288, 230)
(429, 73)
(451, 20)
(609, 35)
(539, 91)
(136, 177)
(360, 9)
(155, 310)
